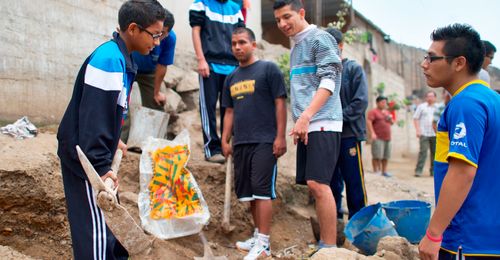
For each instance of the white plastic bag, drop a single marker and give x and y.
(146, 122)
(173, 227)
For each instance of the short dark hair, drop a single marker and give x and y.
(248, 31)
(489, 48)
(431, 91)
(296, 5)
(380, 98)
(336, 33)
(169, 20)
(461, 40)
(142, 12)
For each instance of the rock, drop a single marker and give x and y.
(174, 76)
(7, 231)
(268, 51)
(398, 246)
(8, 253)
(191, 99)
(189, 82)
(185, 59)
(128, 197)
(174, 102)
(337, 253)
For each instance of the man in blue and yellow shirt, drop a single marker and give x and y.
(467, 181)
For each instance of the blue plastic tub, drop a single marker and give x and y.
(411, 218)
(367, 227)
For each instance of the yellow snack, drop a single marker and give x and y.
(171, 192)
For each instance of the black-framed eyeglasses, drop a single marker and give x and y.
(155, 36)
(430, 58)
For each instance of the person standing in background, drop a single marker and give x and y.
(489, 54)
(422, 120)
(379, 124)
(213, 22)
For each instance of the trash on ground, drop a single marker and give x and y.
(21, 129)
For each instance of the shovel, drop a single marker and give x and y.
(226, 226)
(117, 218)
(207, 251)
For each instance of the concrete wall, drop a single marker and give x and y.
(43, 44)
(403, 142)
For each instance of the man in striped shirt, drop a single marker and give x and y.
(422, 119)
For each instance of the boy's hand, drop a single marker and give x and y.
(113, 177)
(279, 146)
(203, 68)
(226, 149)
(122, 146)
(428, 250)
(160, 98)
(300, 130)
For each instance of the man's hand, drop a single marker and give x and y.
(300, 130)
(160, 98)
(203, 68)
(113, 177)
(122, 146)
(419, 133)
(227, 149)
(428, 250)
(279, 146)
(374, 136)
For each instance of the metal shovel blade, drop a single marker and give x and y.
(119, 221)
(207, 251)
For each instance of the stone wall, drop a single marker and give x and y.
(45, 42)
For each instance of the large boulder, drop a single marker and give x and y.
(174, 103)
(174, 76)
(390, 247)
(191, 99)
(189, 82)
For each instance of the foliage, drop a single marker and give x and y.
(379, 89)
(394, 103)
(284, 66)
(353, 34)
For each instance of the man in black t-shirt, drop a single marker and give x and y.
(254, 97)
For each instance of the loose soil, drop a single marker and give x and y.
(33, 220)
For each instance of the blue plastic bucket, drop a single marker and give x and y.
(411, 218)
(367, 227)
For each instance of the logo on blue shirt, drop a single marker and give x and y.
(460, 131)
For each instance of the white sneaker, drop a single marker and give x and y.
(249, 243)
(246, 245)
(258, 250)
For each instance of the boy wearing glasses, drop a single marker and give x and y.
(466, 180)
(93, 121)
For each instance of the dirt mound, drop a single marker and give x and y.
(33, 214)
(8, 253)
(32, 205)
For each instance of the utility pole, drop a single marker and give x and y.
(318, 12)
(351, 14)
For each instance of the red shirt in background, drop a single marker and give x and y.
(381, 123)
